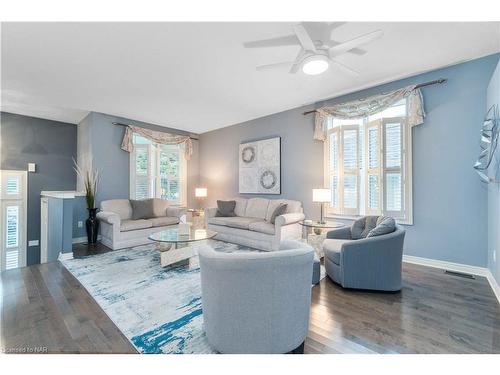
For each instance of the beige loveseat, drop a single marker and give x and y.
(252, 227)
(118, 230)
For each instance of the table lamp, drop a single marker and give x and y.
(321, 196)
(200, 193)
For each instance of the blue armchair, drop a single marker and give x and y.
(367, 263)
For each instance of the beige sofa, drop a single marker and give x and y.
(118, 230)
(252, 227)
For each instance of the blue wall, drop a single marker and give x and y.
(103, 141)
(449, 201)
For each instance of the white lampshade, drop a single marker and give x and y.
(200, 192)
(321, 195)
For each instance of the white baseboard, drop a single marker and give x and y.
(457, 267)
(494, 285)
(65, 256)
(83, 239)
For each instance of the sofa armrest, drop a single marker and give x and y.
(109, 217)
(343, 233)
(210, 212)
(289, 219)
(176, 211)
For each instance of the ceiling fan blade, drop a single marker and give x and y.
(304, 38)
(298, 61)
(345, 68)
(355, 51)
(353, 43)
(289, 40)
(279, 65)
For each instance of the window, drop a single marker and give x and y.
(157, 171)
(368, 165)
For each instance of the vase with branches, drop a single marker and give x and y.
(89, 178)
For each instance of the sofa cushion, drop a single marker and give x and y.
(241, 206)
(280, 210)
(385, 225)
(121, 207)
(262, 227)
(142, 209)
(362, 226)
(217, 220)
(225, 208)
(257, 207)
(333, 248)
(241, 222)
(165, 220)
(160, 207)
(128, 225)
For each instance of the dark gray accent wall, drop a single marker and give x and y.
(449, 201)
(49, 144)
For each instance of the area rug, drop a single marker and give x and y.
(157, 309)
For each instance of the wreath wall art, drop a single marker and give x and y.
(260, 167)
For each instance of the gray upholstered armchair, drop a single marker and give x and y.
(256, 302)
(365, 263)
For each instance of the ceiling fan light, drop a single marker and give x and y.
(315, 65)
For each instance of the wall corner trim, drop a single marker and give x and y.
(457, 267)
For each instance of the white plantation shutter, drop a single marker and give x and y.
(372, 176)
(393, 167)
(158, 171)
(373, 168)
(142, 186)
(332, 163)
(13, 200)
(169, 173)
(350, 169)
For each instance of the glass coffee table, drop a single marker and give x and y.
(174, 245)
(319, 229)
(318, 226)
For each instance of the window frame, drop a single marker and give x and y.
(153, 174)
(405, 216)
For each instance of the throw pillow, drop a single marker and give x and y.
(142, 209)
(225, 208)
(370, 223)
(362, 226)
(385, 225)
(357, 228)
(280, 210)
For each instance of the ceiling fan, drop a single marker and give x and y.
(315, 55)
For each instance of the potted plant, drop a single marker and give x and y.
(90, 179)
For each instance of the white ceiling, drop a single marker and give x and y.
(197, 76)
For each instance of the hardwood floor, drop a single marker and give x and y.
(46, 309)
(434, 313)
(44, 306)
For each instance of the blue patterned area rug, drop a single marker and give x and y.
(157, 309)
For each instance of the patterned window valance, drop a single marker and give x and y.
(158, 137)
(369, 106)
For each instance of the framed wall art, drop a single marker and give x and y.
(260, 167)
